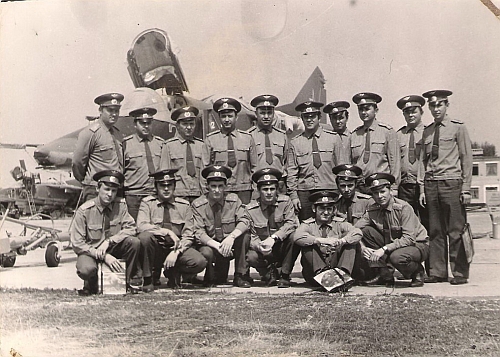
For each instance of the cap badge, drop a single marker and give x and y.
(145, 115)
(347, 172)
(362, 101)
(406, 98)
(324, 199)
(225, 105)
(114, 179)
(266, 103)
(308, 110)
(217, 173)
(433, 99)
(114, 101)
(375, 182)
(267, 177)
(335, 110)
(187, 114)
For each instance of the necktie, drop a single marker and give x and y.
(324, 228)
(119, 152)
(269, 153)
(411, 147)
(316, 155)
(271, 220)
(167, 222)
(435, 142)
(349, 213)
(189, 160)
(387, 228)
(149, 158)
(219, 234)
(366, 155)
(231, 155)
(106, 222)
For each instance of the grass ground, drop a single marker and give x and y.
(184, 323)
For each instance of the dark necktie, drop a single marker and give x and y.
(271, 220)
(316, 155)
(269, 153)
(366, 155)
(231, 155)
(119, 152)
(411, 147)
(106, 212)
(189, 160)
(387, 228)
(435, 142)
(324, 233)
(149, 157)
(167, 222)
(219, 234)
(349, 212)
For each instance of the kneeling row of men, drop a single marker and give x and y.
(184, 239)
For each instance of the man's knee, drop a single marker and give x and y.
(86, 267)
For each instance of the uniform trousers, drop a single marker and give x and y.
(410, 192)
(218, 266)
(133, 203)
(447, 219)
(406, 259)
(155, 250)
(282, 255)
(128, 249)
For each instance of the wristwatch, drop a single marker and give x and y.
(385, 249)
(275, 237)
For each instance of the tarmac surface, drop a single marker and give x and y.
(30, 271)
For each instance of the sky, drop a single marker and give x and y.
(57, 56)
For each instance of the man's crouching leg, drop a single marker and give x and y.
(86, 269)
(408, 260)
(148, 247)
(128, 249)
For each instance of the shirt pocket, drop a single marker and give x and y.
(219, 156)
(302, 158)
(326, 156)
(135, 159)
(278, 150)
(94, 232)
(355, 151)
(261, 230)
(402, 147)
(228, 225)
(378, 147)
(446, 143)
(242, 154)
(106, 152)
(177, 160)
(428, 146)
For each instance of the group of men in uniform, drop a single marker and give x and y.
(366, 202)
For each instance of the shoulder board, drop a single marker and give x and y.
(213, 133)
(338, 219)
(94, 127)
(88, 204)
(253, 204)
(309, 220)
(181, 200)
(149, 198)
(252, 129)
(397, 205)
(283, 198)
(231, 197)
(279, 130)
(402, 128)
(456, 121)
(158, 138)
(172, 139)
(128, 137)
(200, 201)
(363, 196)
(387, 126)
(328, 131)
(359, 127)
(428, 125)
(242, 132)
(197, 139)
(296, 137)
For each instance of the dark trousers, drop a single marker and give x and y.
(447, 219)
(283, 254)
(315, 259)
(410, 192)
(406, 259)
(189, 262)
(218, 266)
(128, 249)
(133, 203)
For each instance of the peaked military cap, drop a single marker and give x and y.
(410, 101)
(347, 172)
(336, 107)
(110, 177)
(309, 107)
(379, 179)
(267, 175)
(216, 172)
(366, 98)
(227, 104)
(109, 99)
(324, 197)
(437, 95)
(266, 100)
(184, 113)
(167, 175)
(143, 113)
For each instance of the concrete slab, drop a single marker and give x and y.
(30, 271)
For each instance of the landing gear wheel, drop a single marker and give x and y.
(8, 261)
(52, 258)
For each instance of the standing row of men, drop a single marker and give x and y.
(425, 163)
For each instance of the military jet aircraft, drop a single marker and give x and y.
(157, 75)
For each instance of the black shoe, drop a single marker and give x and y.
(90, 287)
(196, 281)
(174, 278)
(435, 279)
(156, 282)
(273, 276)
(459, 280)
(131, 289)
(240, 282)
(284, 282)
(248, 278)
(417, 278)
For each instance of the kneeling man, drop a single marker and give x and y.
(393, 236)
(103, 231)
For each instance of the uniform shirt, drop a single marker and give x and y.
(358, 206)
(255, 219)
(279, 147)
(88, 232)
(454, 157)
(204, 221)
(345, 138)
(302, 174)
(173, 156)
(385, 153)
(408, 170)
(137, 180)
(215, 152)
(405, 226)
(150, 218)
(96, 150)
(309, 230)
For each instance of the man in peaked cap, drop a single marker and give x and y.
(393, 236)
(141, 152)
(311, 157)
(94, 239)
(326, 241)
(98, 146)
(183, 152)
(410, 140)
(215, 216)
(271, 220)
(339, 115)
(374, 145)
(164, 224)
(352, 204)
(444, 177)
(232, 148)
